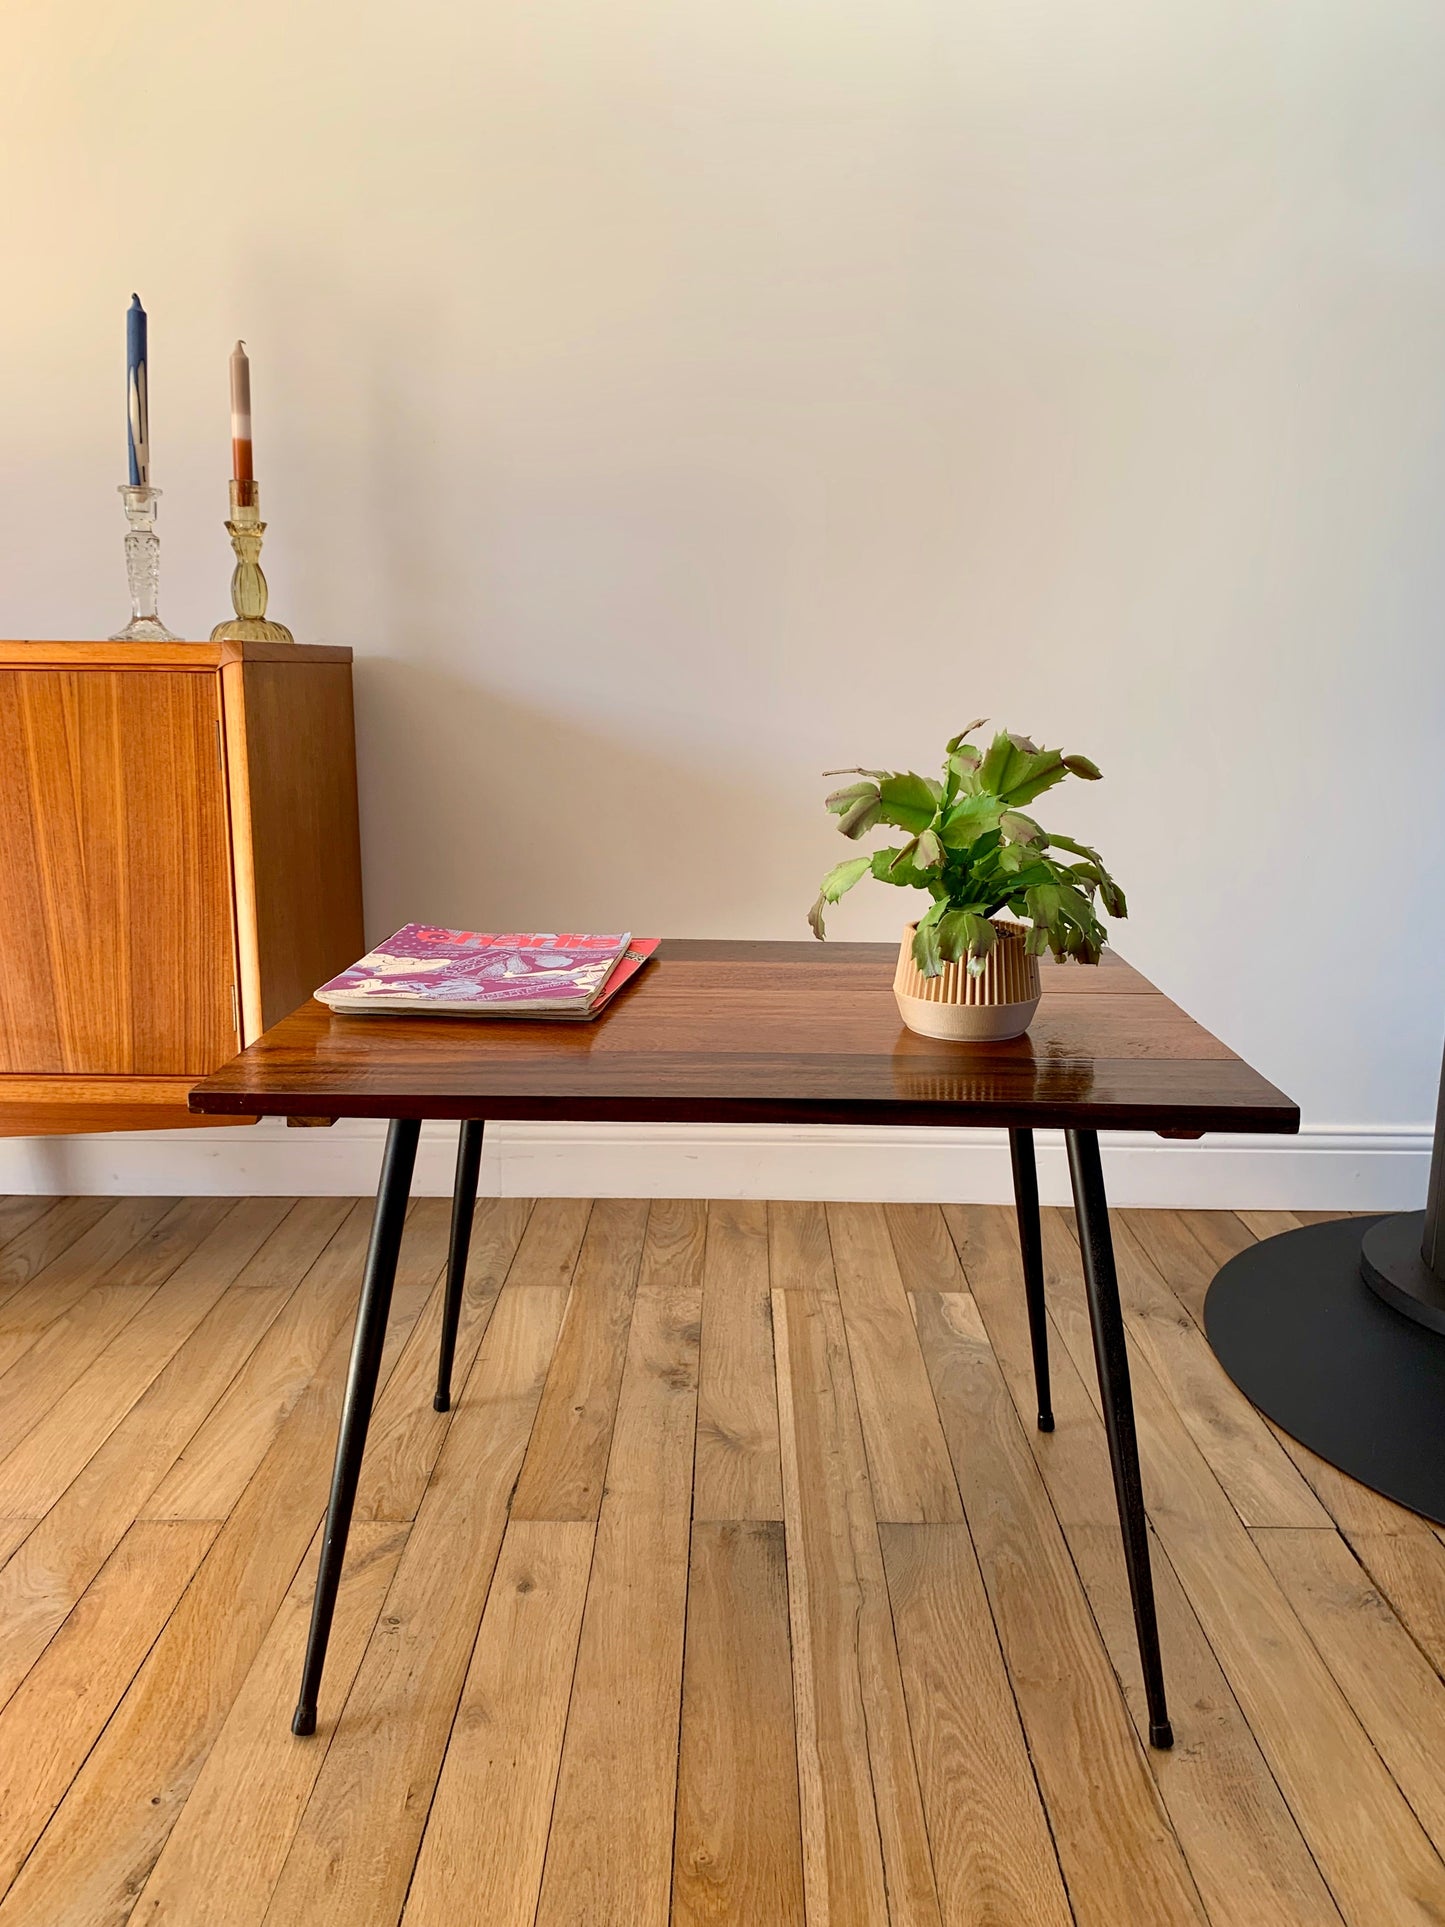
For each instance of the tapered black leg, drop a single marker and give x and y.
(464, 1203)
(1112, 1359)
(1031, 1246)
(366, 1344)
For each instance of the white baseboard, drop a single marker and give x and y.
(1339, 1167)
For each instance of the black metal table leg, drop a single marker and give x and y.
(366, 1345)
(464, 1203)
(1091, 1207)
(1031, 1247)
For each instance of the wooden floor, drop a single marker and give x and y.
(737, 1587)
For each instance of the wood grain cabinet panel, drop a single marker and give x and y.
(179, 865)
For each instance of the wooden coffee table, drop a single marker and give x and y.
(747, 1033)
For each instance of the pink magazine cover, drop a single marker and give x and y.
(538, 970)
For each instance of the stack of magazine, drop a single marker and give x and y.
(426, 972)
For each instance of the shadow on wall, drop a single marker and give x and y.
(482, 811)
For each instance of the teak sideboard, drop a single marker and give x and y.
(180, 866)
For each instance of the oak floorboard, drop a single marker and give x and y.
(325, 1240)
(356, 1842)
(676, 1241)
(552, 1241)
(54, 1719)
(643, 1714)
(65, 1253)
(1409, 1569)
(19, 1213)
(231, 1838)
(60, 1555)
(407, 1432)
(908, 1468)
(993, 1855)
(562, 1474)
(1187, 1248)
(13, 1533)
(1116, 1846)
(1375, 1856)
(738, 1472)
(1248, 1858)
(866, 1857)
(55, 1230)
(1269, 1224)
(74, 1426)
(927, 1260)
(799, 1252)
(486, 1836)
(738, 1854)
(1264, 1485)
(609, 1855)
(92, 1860)
(1394, 1690)
(55, 1327)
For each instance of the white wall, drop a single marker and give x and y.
(672, 399)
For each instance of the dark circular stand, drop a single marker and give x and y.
(1309, 1342)
(1392, 1265)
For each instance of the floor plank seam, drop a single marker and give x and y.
(1437, 1666)
(1365, 1732)
(586, 1591)
(992, 1612)
(100, 1735)
(1260, 1748)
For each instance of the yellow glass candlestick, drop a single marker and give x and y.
(248, 585)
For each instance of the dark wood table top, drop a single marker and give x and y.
(767, 1033)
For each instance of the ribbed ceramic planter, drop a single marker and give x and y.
(999, 1002)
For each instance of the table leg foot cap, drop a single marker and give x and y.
(1161, 1734)
(441, 1402)
(303, 1721)
(1046, 1421)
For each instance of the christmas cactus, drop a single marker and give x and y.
(976, 852)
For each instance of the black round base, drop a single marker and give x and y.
(1392, 1264)
(1306, 1340)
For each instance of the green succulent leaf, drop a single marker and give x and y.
(1018, 828)
(894, 865)
(841, 801)
(925, 941)
(909, 801)
(928, 852)
(968, 819)
(839, 880)
(964, 933)
(1078, 849)
(955, 743)
(961, 770)
(866, 814)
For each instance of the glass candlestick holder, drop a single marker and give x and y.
(142, 566)
(248, 585)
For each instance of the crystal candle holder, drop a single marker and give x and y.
(248, 585)
(142, 566)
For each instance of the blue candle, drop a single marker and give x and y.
(138, 434)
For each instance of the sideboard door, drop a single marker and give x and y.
(115, 919)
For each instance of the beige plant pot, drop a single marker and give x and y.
(999, 1002)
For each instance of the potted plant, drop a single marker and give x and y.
(965, 969)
